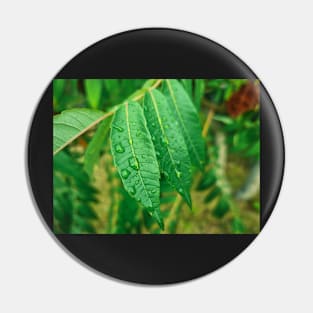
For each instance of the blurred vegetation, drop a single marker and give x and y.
(89, 196)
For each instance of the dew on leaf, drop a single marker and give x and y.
(132, 190)
(164, 140)
(119, 148)
(120, 129)
(178, 174)
(125, 173)
(180, 190)
(133, 163)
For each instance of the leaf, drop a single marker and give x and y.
(188, 86)
(58, 88)
(97, 142)
(199, 92)
(73, 196)
(134, 156)
(93, 91)
(215, 192)
(187, 118)
(170, 146)
(70, 124)
(222, 208)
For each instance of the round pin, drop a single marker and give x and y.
(155, 156)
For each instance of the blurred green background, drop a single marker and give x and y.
(226, 195)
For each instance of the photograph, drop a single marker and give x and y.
(156, 156)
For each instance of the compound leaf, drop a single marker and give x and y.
(170, 146)
(188, 119)
(97, 142)
(70, 124)
(134, 156)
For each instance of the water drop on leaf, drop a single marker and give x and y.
(132, 191)
(119, 148)
(120, 129)
(125, 173)
(164, 140)
(133, 163)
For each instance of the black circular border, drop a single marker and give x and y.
(160, 53)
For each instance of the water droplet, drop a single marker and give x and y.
(153, 191)
(178, 174)
(180, 190)
(164, 140)
(125, 173)
(120, 129)
(133, 163)
(119, 148)
(153, 138)
(153, 124)
(177, 162)
(132, 191)
(157, 153)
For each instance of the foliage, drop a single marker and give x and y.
(131, 155)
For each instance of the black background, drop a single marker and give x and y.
(154, 53)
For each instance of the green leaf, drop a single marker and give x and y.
(222, 208)
(134, 156)
(95, 146)
(188, 86)
(199, 92)
(170, 146)
(212, 195)
(70, 124)
(58, 88)
(93, 91)
(188, 119)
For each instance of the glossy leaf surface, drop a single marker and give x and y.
(188, 119)
(170, 146)
(135, 158)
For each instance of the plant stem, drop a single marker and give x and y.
(207, 123)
